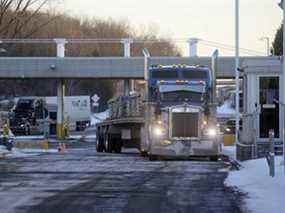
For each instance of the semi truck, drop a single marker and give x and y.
(175, 117)
(35, 115)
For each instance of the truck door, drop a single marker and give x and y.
(269, 109)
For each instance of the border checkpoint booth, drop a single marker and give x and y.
(262, 111)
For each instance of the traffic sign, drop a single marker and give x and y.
(95, 98)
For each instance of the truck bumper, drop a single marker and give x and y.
(186, 149)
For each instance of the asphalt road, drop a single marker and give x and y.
(82, 181)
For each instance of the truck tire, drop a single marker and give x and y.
(99, 145)
(107, 144)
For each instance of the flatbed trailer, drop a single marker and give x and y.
(113, 134)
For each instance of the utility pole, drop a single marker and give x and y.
(282, 6)
(237, 67)
(283, 83)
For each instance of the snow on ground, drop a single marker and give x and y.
(226, 110)
(30, 137)
(229, 151)
(265, 194)
(20, 153)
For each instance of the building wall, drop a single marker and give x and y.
(249, 137)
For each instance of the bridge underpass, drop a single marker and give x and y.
(125, 68)
(102, 68)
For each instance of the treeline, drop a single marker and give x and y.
(32, 19)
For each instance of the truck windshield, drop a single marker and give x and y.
(182, 96)
(194, 74)
(164, 74)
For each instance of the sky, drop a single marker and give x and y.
(210, 20)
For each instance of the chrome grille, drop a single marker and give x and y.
(185, 124)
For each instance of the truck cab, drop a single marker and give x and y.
(180, 115)
(175, 117)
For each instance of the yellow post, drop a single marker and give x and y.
(46, 145)
(60, 110)
(6, 132)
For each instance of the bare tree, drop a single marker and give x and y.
(15, 15)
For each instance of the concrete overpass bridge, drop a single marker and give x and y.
(102, 68)
(126, 67)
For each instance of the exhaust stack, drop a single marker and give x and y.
(214, 77)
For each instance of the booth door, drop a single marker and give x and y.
(269, 108)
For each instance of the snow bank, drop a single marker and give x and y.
(98, 117)
(30, 137)
(226, 110)
(229, 151)
(21, 153)
(265, 194)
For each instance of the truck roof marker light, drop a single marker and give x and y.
(181, 81)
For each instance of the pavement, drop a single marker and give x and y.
(83, 181)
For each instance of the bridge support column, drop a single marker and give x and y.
(129, 85)
(126, 87)
(193, 47)
(60, 110)
(60, 47)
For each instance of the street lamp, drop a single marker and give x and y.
(282, 5)
(237, 67)
(267, 40)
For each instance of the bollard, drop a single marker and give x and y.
(46, 145)
(271, 153)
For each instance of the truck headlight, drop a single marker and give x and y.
(158, 131)
(212, 132)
